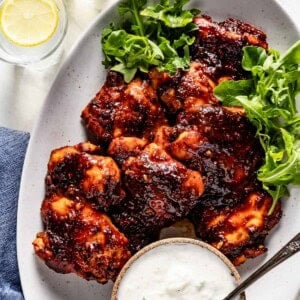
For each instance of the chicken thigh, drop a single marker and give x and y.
(79, 239)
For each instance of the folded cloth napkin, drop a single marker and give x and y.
(13, 146)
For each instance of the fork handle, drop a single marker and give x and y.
(292, 247)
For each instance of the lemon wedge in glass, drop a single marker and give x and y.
(29, 23)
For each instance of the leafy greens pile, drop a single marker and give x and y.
(154, 36)
(269, 99)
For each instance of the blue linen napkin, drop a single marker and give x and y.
(13, 145)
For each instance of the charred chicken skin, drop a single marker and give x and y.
(219, 45)
(79, 171)
(123, 147)
(191, 88)
(79, 239)
(238, 231)
(221, 145)
(160, 191)
(121, 109)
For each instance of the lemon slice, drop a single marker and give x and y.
(28, 23)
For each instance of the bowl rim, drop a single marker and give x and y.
(175, 240)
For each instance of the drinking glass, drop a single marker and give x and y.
(42, 55)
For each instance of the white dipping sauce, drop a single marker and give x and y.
(177, 272)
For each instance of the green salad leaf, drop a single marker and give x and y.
(157, 35)
(269, 99)
(171, 16)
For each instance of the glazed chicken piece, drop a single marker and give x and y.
(184, 90)
(219, 45)
(79, 239)
(79, 171)
(196, 87)
(138, 240)
(220, 124)
(122, 148)
(121, 109)
(221, 145)
(239, 232)
(160, 191)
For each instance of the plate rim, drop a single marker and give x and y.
(60, 72)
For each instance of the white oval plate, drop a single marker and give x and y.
(59, 124)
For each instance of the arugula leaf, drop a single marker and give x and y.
(269, 99)
(130, 51)
(154, 36)
(133, 7)
(171, 16)
(253, 56)
(292, 55)
(227, 91)
(184, 40)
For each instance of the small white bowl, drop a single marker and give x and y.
(165, 249)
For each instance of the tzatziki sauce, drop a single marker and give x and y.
(177, 271)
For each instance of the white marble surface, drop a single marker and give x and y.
(23, 90)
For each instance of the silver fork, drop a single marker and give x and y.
(292, 247)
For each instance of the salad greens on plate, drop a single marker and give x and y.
(157, 35)
(160, 35)
(269, 99)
